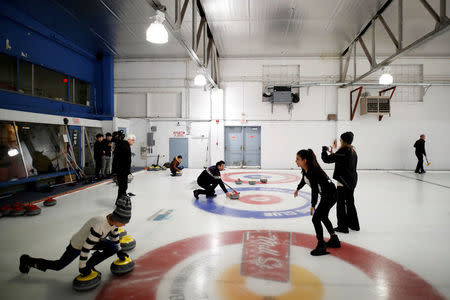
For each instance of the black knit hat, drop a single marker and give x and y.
(347, 137)
(122, 213)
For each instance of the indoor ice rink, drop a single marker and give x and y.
(156, 149)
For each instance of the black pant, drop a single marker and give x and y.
(419, 167)
(346, 210)
(122, 182)
(208, 188)
(321, 214)
(98, 166)
(109, 248)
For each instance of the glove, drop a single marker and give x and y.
(324, 148)
(122, 255)
(85, 271)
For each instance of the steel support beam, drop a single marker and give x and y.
(366, 52)
(374, 61)
(179, 15)
(431, 10)
(347, 63)
(400, 24)
(199, 32)
(388, 30)
(441, 29)
(196, 34)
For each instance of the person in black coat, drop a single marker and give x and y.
(346, 177)
(98, 153)
(209, 179)
(420, 152)
(315, 177)
(122, 155)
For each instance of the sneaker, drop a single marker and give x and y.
(131, 194)
(320, 249)
(333, 242)
(196, 194)
(354, 228)
(342, 230)
(24, 267)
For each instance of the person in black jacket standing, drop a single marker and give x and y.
(122, 155)
(420, 152)
(315, 177)
(98, 153)
(106, 158)
(346, 177)
(209, 179)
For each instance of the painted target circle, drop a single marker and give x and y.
(260, 199)
(393, 279)
(276, 177)
(257, 212)
(256, 176)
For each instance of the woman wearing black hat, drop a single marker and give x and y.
(345, 174)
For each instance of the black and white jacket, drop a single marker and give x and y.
(90, 234)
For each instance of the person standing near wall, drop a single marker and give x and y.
(420, 152)
(122, 155)
(346, 177)
(315, 177)
(98, 153)
(209, 179)
(106, 158)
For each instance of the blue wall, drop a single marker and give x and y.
(36, 43)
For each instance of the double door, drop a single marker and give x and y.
(243, 146)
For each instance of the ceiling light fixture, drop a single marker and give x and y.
(385, 77)
(200, 80)
(156, 32)
(13, 152)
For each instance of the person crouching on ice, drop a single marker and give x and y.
(209, 179)
(92, 236)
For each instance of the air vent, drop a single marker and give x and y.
(377, 105)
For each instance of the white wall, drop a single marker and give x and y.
(380, 145)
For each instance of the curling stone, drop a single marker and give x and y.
(50, 202)
(163, 168)
(32, 210)
(122, 232)
(152, 168)
(179, 173)
(238, 181)
(6, 210)
(263, 180)
(252, 182)
(127, 243)
(234, 195)
(17, 210)
(85, 283)
(120, 267)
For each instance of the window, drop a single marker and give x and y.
(50, 84)
(42, 147)
(80, 92)
(38, 81)
(25, 77)
(8, 72)
(11, 164)
(89, 165)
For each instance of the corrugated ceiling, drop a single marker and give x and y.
(241, 28)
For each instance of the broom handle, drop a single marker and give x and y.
(228, 186)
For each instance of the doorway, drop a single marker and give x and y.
(243, 146)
